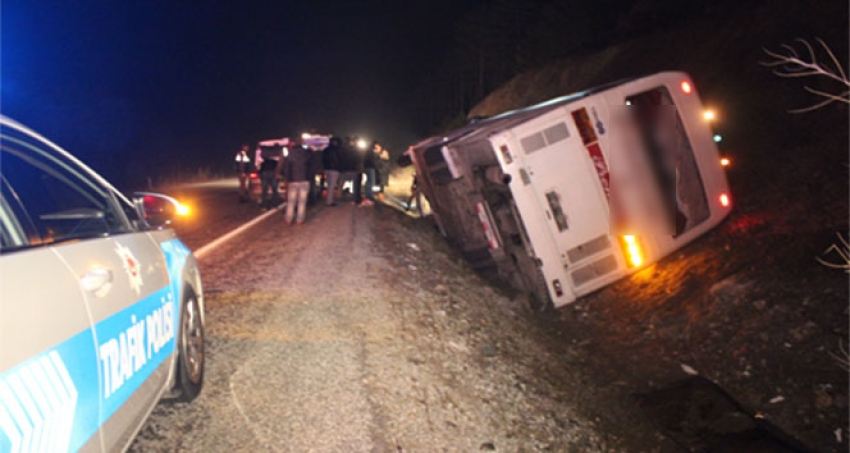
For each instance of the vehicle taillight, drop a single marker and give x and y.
(686, 87)
(724, 200)
(631, 247)
(559, 290)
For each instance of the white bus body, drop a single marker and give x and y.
(567, 196)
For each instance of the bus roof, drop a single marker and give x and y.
(496, 123)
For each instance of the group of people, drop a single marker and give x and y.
(309, 173)
(343, 161)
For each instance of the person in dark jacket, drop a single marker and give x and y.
(370, 161)
(297, 172)
(382, 169)
(331, 160)
(316, 168)
(268, 160)
(352, 167)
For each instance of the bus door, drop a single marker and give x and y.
(567, 171)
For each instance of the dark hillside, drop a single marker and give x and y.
(748, 306)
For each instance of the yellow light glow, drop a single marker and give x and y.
(724, 200)
(362, 144)
(724, 161)
(182, 210)
(709, 115)
(635, 255)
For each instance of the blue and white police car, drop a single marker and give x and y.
(101, 306)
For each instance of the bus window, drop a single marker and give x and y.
(671, 158)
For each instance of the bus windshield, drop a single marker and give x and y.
(671, 158)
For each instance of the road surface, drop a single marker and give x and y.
(342, 336)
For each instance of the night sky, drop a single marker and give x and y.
(130, 86)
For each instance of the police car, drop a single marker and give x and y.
(101, 306)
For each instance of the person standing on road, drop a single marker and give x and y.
(297, 173)
(369, 165)
(352, 167)
(382, 168)
(316, 168)
(269, 157)
(243, 168)
(415, 195)
(331, 160)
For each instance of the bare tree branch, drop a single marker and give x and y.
(790, 64)
(842, 249)
(835, 61)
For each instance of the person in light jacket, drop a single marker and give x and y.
(243, 168)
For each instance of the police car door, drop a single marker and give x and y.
(49, 380)
(48, 367)
(124, 281)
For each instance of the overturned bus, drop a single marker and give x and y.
(564, 197)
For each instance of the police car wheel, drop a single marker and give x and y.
(190, 360)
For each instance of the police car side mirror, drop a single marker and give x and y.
(158, 210)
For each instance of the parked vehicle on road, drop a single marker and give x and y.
(254, 187)
(101, 305)
(567, 196)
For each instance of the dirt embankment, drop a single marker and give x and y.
(748, 306)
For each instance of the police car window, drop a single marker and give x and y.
(61, 203)
(11, 237)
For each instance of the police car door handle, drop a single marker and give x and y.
(97, 281)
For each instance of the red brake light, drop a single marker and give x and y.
(686, 87)
(559, 290)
